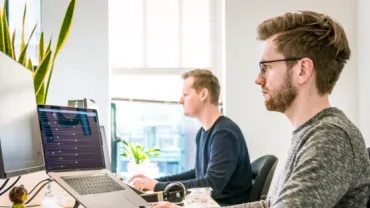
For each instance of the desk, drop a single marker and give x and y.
(61, 199)
(51, 203)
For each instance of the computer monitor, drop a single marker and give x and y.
(20, 138)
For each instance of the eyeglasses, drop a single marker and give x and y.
(263, 71)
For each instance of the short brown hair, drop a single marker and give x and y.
(312, 35)
(205, 79)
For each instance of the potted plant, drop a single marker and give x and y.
(42, 74)
(138, 157)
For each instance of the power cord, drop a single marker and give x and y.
(11, 186)
(48, 179)
(38, 190)
(4, 184)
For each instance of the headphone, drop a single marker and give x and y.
(174, 192)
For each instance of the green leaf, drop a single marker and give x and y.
(6, 34)
(65, 28)
(13, 43)
(2, 47)
(41, 47)
(29, 64)
(41, 74)
(22, 56)
(40, 97)
(124, 142)
(23, 44)
(48, 48)
(133, 151)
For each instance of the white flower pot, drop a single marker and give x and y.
(149, 169)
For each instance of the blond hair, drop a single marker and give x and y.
(205, 79)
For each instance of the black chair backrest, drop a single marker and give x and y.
(368, 152)
(262, 172)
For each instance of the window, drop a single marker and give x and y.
(152, 42)
(33, 17)
(163, 34)
(161, 125)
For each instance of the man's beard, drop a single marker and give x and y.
(282, 98)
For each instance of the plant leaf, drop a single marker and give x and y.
(22, 56)
(6, 35)
(48, 48)
(13, 43)
(41, 47)
(65, 28)
(2, 47)
(41, 74)
(40, 97)
(125, 142)
(23, 44)
(29, 64)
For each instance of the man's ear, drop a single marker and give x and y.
(305, 71)
(204, 93)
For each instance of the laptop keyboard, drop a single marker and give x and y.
(93, 184)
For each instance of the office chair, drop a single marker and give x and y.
(368, 203)
(262, 172)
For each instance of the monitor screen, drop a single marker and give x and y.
(20, 139)
(71, 138)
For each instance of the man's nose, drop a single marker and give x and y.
(260, 80)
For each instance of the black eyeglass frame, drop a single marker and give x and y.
(262, 71)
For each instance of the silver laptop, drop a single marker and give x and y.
(74, 158)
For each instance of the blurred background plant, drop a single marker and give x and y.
(137, 153)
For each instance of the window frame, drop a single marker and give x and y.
(216, 46)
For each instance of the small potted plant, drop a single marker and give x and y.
(138, 157)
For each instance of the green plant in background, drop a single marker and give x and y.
(42, 74)
(137, 153)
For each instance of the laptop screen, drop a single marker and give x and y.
(71, 138)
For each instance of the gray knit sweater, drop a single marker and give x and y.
(327, 166)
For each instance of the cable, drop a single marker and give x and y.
(10, 186)
(38, 190)
(48, 179)
(4, 184)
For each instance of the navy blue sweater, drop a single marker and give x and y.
(222, 162)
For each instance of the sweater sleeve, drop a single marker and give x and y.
(322, 171)
(178, 177)
(223, 159)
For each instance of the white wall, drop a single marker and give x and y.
(82, 68)
(268, 132)
(363, 67)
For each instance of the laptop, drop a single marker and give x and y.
(74, 158)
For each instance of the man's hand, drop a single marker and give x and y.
(164, 205)
(142, 182)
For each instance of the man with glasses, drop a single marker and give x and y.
(327, 164)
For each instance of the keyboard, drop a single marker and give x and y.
(92, 184)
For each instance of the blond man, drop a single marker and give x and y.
(222, 159)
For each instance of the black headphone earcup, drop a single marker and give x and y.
(175, 192)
